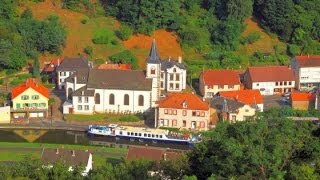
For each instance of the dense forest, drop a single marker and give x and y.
(267, 147)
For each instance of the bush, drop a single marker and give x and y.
(293, 49)
(88, 50)
(1, 81)
(99, 61)
(124, 32)
(84, 20)
(251, 38)
(44, 78)
(125, 57)
(102, 36)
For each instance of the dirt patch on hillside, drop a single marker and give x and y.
(167, 44)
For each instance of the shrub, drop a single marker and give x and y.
(102, 36)
(100, 61)
(84, 20)
(88, 50)
(124, 32)
(1, 81)
(251, 38)
(293, 49)
(125, 57)
(44, 78)
(114, 42)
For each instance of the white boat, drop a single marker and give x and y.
(142, 134)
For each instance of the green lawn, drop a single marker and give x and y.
(18, 155)
(103, 118)
(67, 146)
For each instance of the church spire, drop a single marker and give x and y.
(153, 55)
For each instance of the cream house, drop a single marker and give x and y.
(183, 110)
(213, 81)
(29, 99)
(232, 110)
(5, 114)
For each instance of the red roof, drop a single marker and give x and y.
(52, 65)
(155, 154)
(250, 97)
(176, 101)
(271, 73)
(30, 83)
(116, 66)
(301, 96)
(220, 77)
(308, 61)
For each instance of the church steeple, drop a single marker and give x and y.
(153, 55)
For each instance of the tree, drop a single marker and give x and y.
(8, 9)
(27, 14)
(174, 169)
(125, 57)
(36, 67)
(124, 32)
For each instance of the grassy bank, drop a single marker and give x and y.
(110, 118)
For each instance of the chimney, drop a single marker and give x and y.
(57, 151)
(169, 59)
(180, 59)
(165, 156)
(73, 153)
(58, 61)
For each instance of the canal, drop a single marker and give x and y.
(73, 137)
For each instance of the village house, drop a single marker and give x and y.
(250, 97)
(307, 71)
(50, 70)
(168, 74)
(270, 80)
(108, 91)
(302, 100)
(213, 81)
(231, 110)
(5, 115)
(70, 66)
(29, 99)
(71, 158)
(183, 110)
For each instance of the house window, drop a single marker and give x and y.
(111, 99)
(86, 107)
(174, 112)
(210, 87)
(202, 124)
(174, 70)
(220, 86)
(126, 99)
(184, 123)
(202, 114)
(161, 75)
(171, 85)
(169, 111)
(285, 83)
(281, 83)
(277, 83)
(194, 113)
(166, 122)
(34, 105)
(35, 97)
(230, 86)
(174, 122)
(97, 98)
(247, 110)
(141, 100)
(161, 84)
(86, 99)
(166, 111)
(177, 86)
(290, 83)
(26, 105)
(42, 104)
(79, 107)
(177, 77)
(153, 70)
(79, 99)
(171, 77)
(25, 97)
(234, 118)
(198, 113)
(257, 84)
(184, 112)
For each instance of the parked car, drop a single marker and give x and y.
(162, 95)
(287, 94)
(285, 100)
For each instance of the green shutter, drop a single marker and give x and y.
(18, 105)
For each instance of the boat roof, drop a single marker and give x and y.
(143, 129)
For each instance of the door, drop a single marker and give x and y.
(193, 125)
(70, 110)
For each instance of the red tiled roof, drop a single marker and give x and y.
(52, 65)
(271, 73)
(176, 100)
(30, 83)
(301, 96)
(115, 66)
(220, 77)
(155, 154)
(250, 97)
(308, 61)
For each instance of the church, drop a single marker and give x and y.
(123, 91)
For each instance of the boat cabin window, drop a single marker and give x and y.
(145, 135)
(160, 136)
(131, 133)
(149, 135)
(120, 132)
(139, 134)
(157, 136)
(128, 133)
(135, 134)
(152, 135)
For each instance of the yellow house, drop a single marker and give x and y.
(5, 114)
(29, 99)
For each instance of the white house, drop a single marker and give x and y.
(68, 67)
(307, 71)
(170, 75)
(270, 80)
(111, 91)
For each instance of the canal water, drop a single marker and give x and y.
(73, 137)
